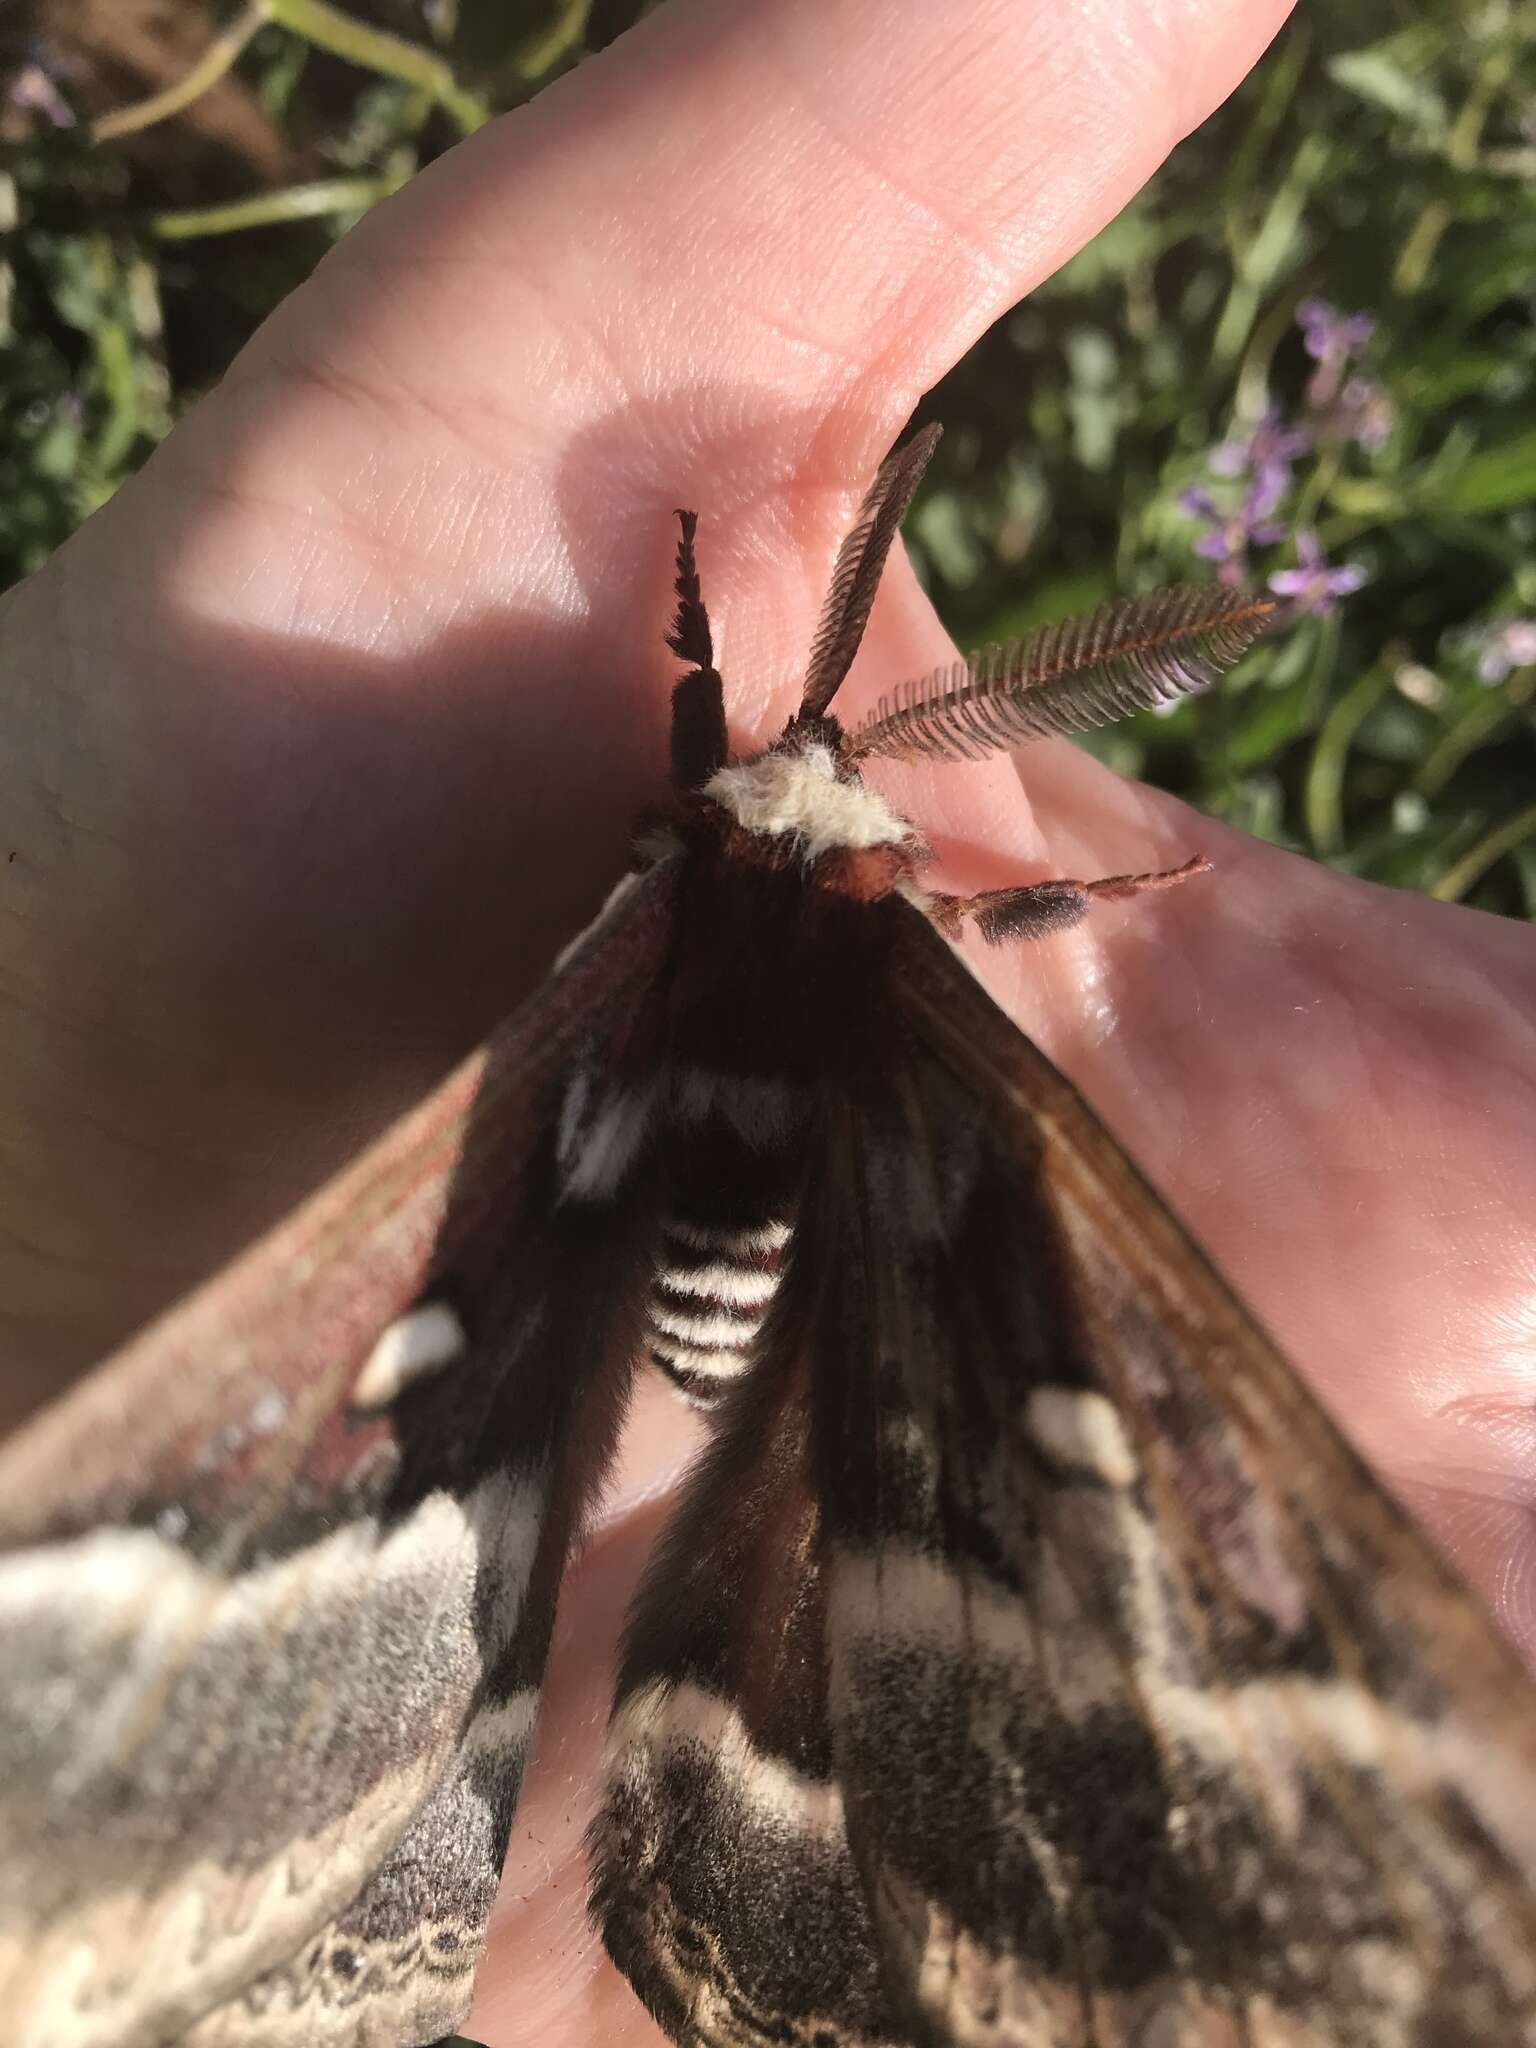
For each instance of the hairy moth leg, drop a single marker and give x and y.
(1034, 910)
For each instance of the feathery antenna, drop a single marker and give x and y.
(1127, 656)
(700, 742)
(856, 574)
(690, 636)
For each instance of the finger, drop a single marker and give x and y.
(722, 261)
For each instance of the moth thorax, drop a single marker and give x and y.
(799, 792)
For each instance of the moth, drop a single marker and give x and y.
(1029, 1663)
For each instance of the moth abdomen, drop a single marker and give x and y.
(713, 1288)
(733, 1163)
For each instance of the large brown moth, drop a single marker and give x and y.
(1029, 1663)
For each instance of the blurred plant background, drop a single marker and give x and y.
(1305, 354)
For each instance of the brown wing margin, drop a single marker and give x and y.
(1153, 1715)
(275, 1604)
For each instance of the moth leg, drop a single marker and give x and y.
(1037, 909)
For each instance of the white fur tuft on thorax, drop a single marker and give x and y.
(799, 793)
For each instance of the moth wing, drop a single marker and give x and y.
(722, 1881)
(276, 1583)
(1029, 1664)
(1155, 1718)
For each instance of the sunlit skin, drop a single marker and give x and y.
(326, 733)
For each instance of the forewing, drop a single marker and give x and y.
(276, 1583)
(1156, 1721)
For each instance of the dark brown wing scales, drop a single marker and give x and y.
(723, 1886)
(1031, 1665)
(1155, 1719)
(276, 1584)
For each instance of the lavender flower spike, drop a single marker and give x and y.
(1266, 452)
(1313, 584)
(31, 90)
(1332, 339)
(1230, 534)
(1330, 335)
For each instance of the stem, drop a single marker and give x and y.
(1470, 731)
(376, 49)
(264, 209)
(1281, 76)
(1416, 257)
(1253, 382)
(542, 52)
(218, 58)
(1324, 796)
(1458, 879)
(1257, 260)
(1314, 492)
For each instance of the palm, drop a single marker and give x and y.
(299, 723)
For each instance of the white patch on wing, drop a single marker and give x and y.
(660, 843)
(263, 1418)
(598, 1140)
(1081, 1430)
(268, 1414)
(622, 888)
(505, 1726)
(796, 792)
(660, 1717)
(417, 1343)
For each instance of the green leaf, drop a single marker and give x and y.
(1374, 76)
(1499, 477)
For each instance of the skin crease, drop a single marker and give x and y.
(324, 735)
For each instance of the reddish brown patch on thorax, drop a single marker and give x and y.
(866, 873)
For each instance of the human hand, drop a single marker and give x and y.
(299, 723)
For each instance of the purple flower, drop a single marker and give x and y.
(32, 91)
(1362, 412)
(1267, 452)
(1328, 333)
(1312, 583)
(1332, 339)
(1509, 646)
(1229, 535)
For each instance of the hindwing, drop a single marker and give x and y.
(277, 1583)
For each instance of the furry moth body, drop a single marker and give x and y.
(1028, 1664)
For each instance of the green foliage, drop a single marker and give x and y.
(1381, 159)
(83, 390)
